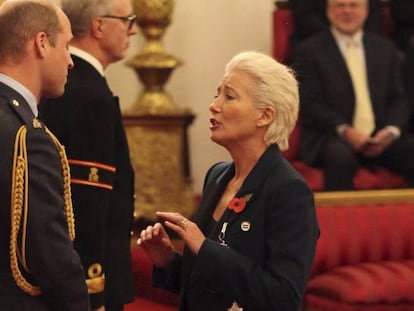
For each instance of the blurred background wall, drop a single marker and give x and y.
(204, 35)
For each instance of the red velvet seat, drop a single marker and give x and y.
(282, 28)
(148, 298)
(144, 304)
(364, 258)
(383, 282)
(329, 305)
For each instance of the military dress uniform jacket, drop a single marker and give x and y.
(259, 258)
(45, 245)
(87, 121)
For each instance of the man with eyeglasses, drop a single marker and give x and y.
(87, 121)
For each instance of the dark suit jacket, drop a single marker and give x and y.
(326, 92)
(402, 13)
(266, 264)
(408, 74)
(52, 261)
(87, 120)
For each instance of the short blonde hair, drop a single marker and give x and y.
(274, 85)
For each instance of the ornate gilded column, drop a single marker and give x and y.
(156, 128)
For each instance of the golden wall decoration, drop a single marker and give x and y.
(156, 128)
(159, 152)
(153, 65)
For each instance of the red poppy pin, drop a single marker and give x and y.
(238, 204)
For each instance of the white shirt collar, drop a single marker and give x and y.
(343, 40)
(88, 58)
(339, 36)
(22, 90)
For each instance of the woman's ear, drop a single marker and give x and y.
(267, 116)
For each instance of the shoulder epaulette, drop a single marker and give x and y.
(20, 205)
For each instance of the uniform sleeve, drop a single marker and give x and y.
(51, 258)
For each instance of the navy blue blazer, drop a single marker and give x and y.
(53, 263)
(327, 97)
(271, 243)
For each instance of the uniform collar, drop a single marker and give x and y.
(88, 58)
(22, 90)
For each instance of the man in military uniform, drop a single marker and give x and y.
(39, 268)
(87, 121)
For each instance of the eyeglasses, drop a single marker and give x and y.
(130, 19)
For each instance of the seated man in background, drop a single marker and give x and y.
(309, 18)
(353, 104)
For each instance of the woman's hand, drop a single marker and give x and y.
(157, 244)
(186, 229)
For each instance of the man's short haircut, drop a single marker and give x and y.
(21, 22)
(82, 12)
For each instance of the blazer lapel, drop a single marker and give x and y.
(211, 196)
(339, 67)
(251, 186)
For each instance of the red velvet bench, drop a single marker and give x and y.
(364, 259)
(147, 297)
(365, 255)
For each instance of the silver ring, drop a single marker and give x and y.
(183, 223)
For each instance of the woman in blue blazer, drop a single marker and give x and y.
(251, 242)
